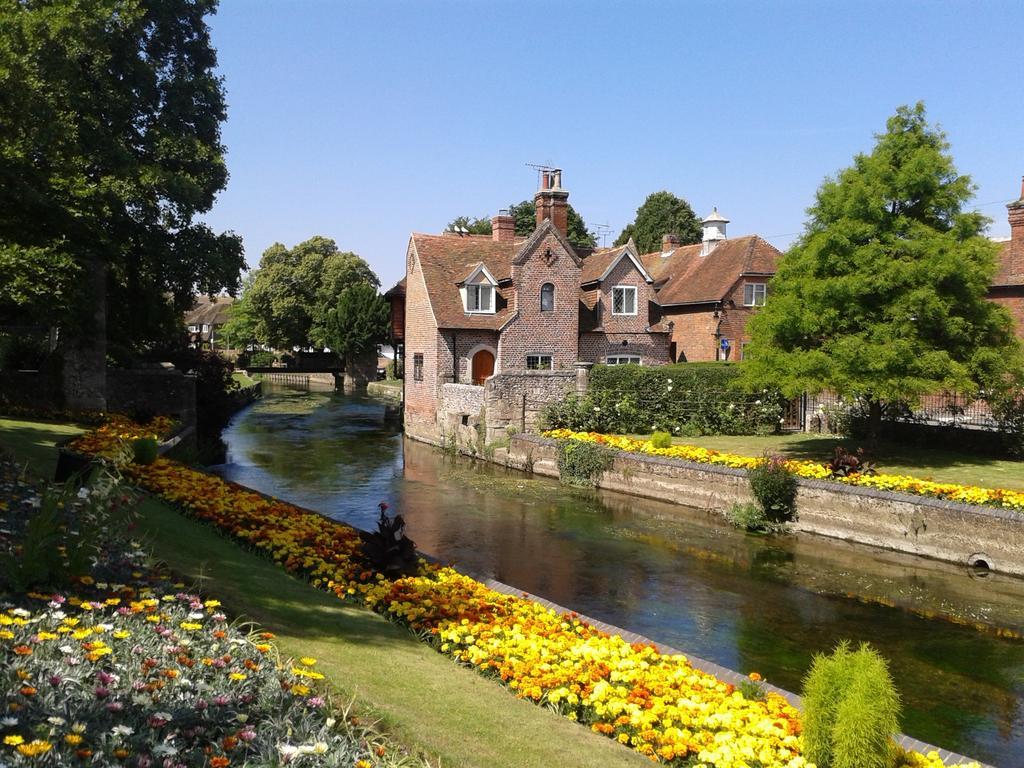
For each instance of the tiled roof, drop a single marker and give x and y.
(1004, 271)
(448, 259)
(683, 276)
(598, 262)
(209, 312)
(398, 289)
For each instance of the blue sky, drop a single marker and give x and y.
(365, 121)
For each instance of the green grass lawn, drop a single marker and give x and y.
(33, 442)
(450, 714)
(893, 458)
(243, 379)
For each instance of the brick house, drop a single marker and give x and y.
(709, 290)
(479, 305)
(1007, 288)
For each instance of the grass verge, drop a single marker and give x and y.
(890, 458)
(33, 442)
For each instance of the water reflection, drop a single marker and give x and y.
(675, 574)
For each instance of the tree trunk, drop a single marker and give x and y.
(84, 370)
(874, 421)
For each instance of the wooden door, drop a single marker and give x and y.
(483, 366)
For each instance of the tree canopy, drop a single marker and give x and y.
(358, 321)
(883, 296)
(525, 215)
(110, 148)
(660, 214)
(290, 297)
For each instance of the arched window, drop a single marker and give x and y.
(547, 298)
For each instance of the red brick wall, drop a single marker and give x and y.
(397, 317)
(552, 333)
(626, 273)
(1011, 297)
(651, 347)
(466, 343)
(694, 327)
(421, 337)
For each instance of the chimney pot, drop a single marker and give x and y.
(552, 202)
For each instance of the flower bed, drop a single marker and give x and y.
(967, 494)
(126, 668)
(659, 705)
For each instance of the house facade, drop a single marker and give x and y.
(1007, 287)
(204, 321)
(481, 305)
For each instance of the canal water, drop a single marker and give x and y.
(677, 575)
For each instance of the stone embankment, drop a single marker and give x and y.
(944, 530)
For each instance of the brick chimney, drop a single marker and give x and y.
(1016, 216)
(669, 242)
(503, 227)
(552, 201)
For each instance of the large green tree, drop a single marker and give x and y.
(110, 148)
(883, 296)
(660, 214)
(358, 322)
(295, 289)
(525, 215)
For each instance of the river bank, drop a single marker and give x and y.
(679, 575)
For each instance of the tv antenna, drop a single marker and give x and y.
(541, 169)
(601, 232)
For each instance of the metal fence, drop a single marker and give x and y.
(948, 409)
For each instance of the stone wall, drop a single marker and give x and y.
(518, 399)
(156, 389)
(958, 533)
(460, 414)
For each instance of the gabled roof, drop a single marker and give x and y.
(690, 278)
(546, 227)
(598, 265)
(447, 260)
(481, 269)
(209, 312)
(398, 289)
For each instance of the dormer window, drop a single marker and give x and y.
(478, 291)
(480, 298)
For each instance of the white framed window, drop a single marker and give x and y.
(622, 360)
(624, 300)
(538, 362)
(480, 298)
(754, 294)
(193, 329)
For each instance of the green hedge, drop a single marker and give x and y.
(686, 399)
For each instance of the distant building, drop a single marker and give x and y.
(204, 321)
(477, 305)
(1008, 286)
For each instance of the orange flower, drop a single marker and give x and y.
(28, 690)
(219, 762)
(22, 650)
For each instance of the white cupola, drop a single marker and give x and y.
(714, 231)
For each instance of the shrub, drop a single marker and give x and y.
(582, 463)
(261, 359)
(692, 398)
(145, 450)
(749, 517)
(661, 440)
(774, 487)
(845, 463)
(388, 550)
(851, 710)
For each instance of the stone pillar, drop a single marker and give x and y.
(359, 370)
(583, 377)
(84, 371)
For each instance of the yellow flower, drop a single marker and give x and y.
(308, 661)
(34, 748)
(237, 676)
(13, 740)
(73, 739)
